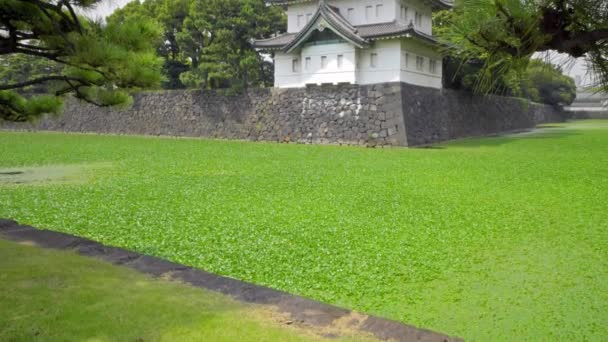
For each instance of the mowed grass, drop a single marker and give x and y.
(58, 296)
(502, 238)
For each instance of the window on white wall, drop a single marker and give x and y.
(340, 61)
(373, 60)
(300, 20)
(406, 60)
(307, 63)
(368, 12)
(378, 11)
(404, 13)
(419, 63)
(295, 65)
(432, 66)
(308, 17)
(350, 14)
(418, 19)
(323, 62)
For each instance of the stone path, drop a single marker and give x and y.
(303, 312)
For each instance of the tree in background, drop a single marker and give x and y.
(223, 30)
(540, 82)
(97, 63)
(545, 83)
(207, 43)
(504, 34)
(169, 16)
(20, 68)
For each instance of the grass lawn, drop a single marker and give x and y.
(58, 296)
(49, 295)
(496, 238)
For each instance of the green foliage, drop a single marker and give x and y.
(19, 68)
(545, 83)
(207, 44)
(122, 53)
(539, 82)
(505, 34)
(61, 53)
(471, 65)
(169, 16)
(15, 107)
(504, 232)
(225, 29)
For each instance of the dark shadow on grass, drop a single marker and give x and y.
(431, 147)
(548, 132)
(550, 126)
(11, 173)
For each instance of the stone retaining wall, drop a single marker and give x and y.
(394, 114)
(433, 115)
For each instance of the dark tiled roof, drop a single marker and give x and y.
(359, 36)
(275, 42)
(442, 4)
(392, 29)
(365, 32)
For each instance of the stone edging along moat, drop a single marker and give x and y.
(303, 311)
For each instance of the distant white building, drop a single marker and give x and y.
(357, 42)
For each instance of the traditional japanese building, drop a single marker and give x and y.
(357, 42)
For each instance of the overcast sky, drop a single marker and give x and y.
(576, 69)
(106, 8)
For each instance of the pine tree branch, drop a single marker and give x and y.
(44, 6)
(44, 79)
(14, 114)
(67, 4)
(583, 39)
(47, 55)
(33, 47)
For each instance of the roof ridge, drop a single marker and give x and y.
(275, 37)
(395, 22)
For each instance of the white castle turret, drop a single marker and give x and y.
(357, 42)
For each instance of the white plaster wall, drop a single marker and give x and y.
(356, 65)
(410, 74)
(414, 6)
(284, 77)
(389, 11)
(387, 68)
(306, 9)
(331, 73)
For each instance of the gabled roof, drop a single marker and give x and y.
(367, 32)
(327, 17)
(436, 4)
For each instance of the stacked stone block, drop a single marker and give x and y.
(392, 114)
